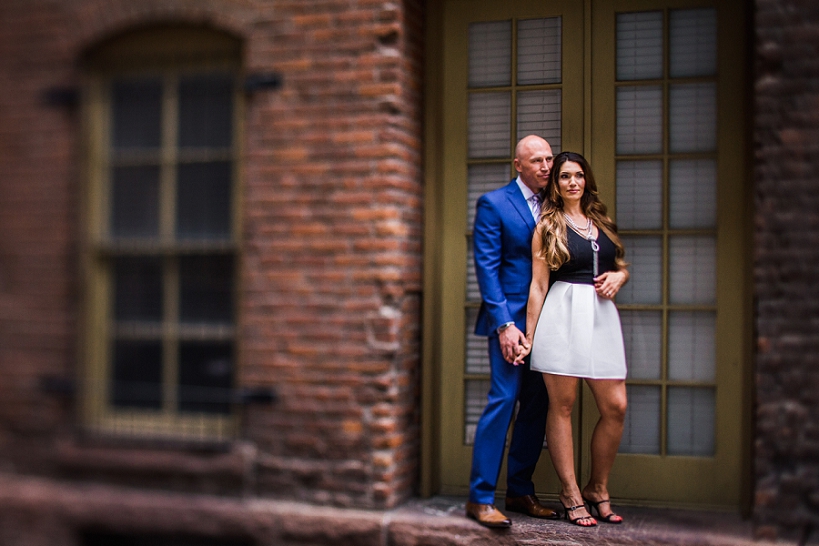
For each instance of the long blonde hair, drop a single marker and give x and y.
(552, 224)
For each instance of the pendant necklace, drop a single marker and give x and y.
(589, 228)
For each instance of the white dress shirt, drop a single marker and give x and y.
(532, 199)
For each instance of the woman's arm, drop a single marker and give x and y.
(609, 283)
(537, 293)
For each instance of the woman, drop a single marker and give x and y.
(578, 268)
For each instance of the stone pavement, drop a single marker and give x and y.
(37, 511)
(641, 526)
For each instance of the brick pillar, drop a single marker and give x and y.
(332, 270)
(785, 266)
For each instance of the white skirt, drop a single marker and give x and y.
(578, 334)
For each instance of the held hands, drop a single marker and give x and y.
(513, 343)
(523, 351)
(609, 283)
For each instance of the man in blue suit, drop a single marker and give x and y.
(504, 223)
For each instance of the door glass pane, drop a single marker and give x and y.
(206, 289)
(692, 117)
(135, 202)
(490, 54)
(693, 42)
(137, 374)
(490, 124)
(137, 107)
(205, 376)
(474, 401)
(691, 413)
(640, 120)
(203, 202)
(692, 187)
(641, 433)
(645, 254)
(639, 194)
(692, 269)
(138, 289)
(206, 111)
(473, 290)
(691, 346)
(642, 334)
(477, 347)
(482, 179)
(539, 114)
(640, 45)
(539, 51)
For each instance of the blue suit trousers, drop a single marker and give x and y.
(509, 384)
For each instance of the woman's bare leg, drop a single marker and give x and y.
(610, 396)
(562, 394)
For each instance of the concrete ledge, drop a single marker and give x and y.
(36, 511)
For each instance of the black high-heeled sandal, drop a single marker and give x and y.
(576, 521)
(611, 518)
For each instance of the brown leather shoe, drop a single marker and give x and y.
(487, 515)
(530, 505)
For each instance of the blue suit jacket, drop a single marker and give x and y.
(502, 238)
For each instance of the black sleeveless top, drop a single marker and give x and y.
(580, 267)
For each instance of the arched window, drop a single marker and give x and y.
(160, 257)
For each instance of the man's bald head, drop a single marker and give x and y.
(533, 161)
(528, 141)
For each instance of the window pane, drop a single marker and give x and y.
(693, 270)
(646, 257)
(539, 114)
(477, 349)
(490, 54)
(206, 289)
(640, 45)
(641, 433)
(693, 193)
(693, 42)
(203, 200)
(205, 376)
(135, 202)
(640, 120)
(482, 179)
(136, 114)
(639, 194)
(137, 375)
(490, 124)
(539, 51)
(206, 111)
(138, 289)
(475, 397)
(692, 346)
(642, 334)
(691, 414)
(693, 117)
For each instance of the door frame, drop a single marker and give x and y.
(435, 222)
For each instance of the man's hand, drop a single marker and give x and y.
(513, 343)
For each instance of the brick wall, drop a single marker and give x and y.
(38, 228)
(786, 257)
(333, 219)
(331, 208)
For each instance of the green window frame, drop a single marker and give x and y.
(162, 109)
